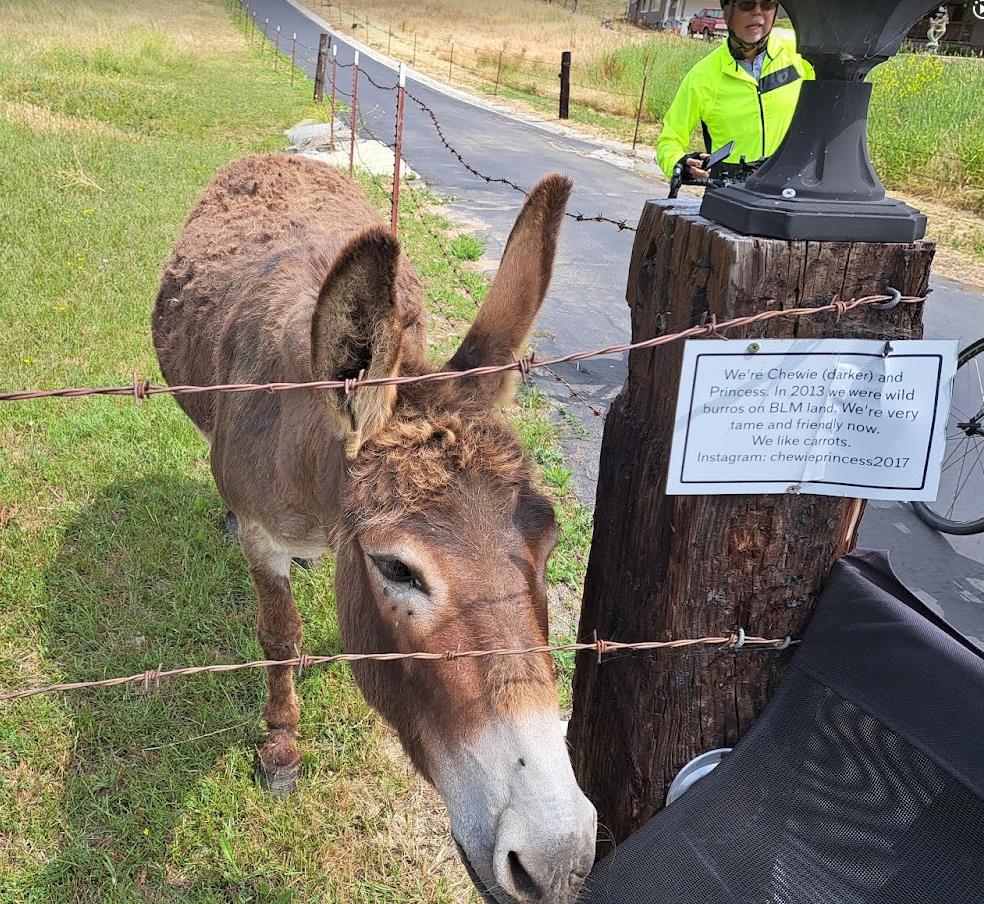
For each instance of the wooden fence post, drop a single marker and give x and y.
(565, 85)
(665, 567)
(319, 71)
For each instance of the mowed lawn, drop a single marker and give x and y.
(112, 117)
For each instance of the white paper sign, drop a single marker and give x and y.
(830, 416)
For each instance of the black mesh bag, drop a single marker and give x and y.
(861, 783)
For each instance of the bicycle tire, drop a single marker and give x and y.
(926, 514)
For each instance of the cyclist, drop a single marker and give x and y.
(745, 90)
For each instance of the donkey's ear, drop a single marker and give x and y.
(356, 330)
(505, 321)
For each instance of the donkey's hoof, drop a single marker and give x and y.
(230, 525)
(277, 778)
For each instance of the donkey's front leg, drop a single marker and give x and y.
(279, 630)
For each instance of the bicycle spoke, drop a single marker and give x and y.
(960, 486)
(953, 453)
(956, 492)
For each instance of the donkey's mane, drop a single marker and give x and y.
(437, 440)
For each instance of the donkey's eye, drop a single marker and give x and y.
(398, 572)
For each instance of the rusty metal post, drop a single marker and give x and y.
(266, 22)
(565, 85)
(450, 62)
(293, 58)
(334, 80)
(355, 112)
(319, 70)
(498, 73)
(398, 152)
(276, 50)
(642, 100)
(389, 41)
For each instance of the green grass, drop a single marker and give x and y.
(112, 119)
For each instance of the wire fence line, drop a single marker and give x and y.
(151, 678)
(463, 283)
(139, 390)
(578, 216)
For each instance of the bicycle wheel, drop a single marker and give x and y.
(959, 506)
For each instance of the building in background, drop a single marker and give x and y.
(964, 34)
(654, 13)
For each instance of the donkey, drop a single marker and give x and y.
(284, 273)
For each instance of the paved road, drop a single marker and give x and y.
(586, 306)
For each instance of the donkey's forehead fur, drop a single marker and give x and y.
(420, 462)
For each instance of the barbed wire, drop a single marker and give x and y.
(463, 282)
(151, 678)
(142, 389)
(580, 217)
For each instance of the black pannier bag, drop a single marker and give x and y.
(861, 783)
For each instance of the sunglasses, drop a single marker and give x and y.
(746, 6)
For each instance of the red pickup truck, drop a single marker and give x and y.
(710, 23)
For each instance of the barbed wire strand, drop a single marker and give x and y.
(579, 217)
(151, 678)
(142, 389)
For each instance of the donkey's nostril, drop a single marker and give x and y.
(523, 884)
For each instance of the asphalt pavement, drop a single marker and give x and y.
(586, 306)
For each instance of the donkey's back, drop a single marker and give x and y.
(238, 291)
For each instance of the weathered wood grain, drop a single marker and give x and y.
(689, 566)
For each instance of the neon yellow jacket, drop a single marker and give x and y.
(723, 99)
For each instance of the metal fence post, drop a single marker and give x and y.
(398, 152)
(642, 100)
(276, 50)
(450, 62)
(319, 71)
(293, 58)
(498, 74)
(414, 62)
(266, 22)
(334, 79)
(565, 85)
(355, 111)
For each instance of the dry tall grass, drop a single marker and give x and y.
(535, 31)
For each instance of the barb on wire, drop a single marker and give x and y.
(145, 389)
(153, 677)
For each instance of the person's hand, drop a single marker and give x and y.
(695, 165)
